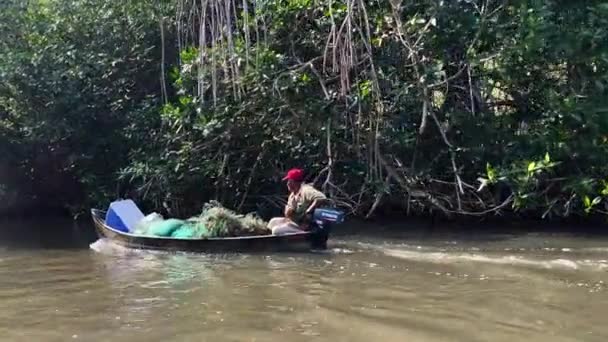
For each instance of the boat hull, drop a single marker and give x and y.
(262, 243)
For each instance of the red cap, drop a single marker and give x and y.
(295, 175)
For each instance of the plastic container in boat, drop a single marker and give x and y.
(123, 215)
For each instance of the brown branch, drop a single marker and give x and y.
(485, 212)
(471, 90)
(331, 38)
(378, 199)
(163, 82)
(321, 81)
(202, 47)
(457, 74)
(295, 68)
(249, 180)
(452, 157)
(330, 159)
(425, 111)
(413, 193)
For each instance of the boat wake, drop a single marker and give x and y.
(573, 258)
(105, 246)
(430, 255)
(447, 258)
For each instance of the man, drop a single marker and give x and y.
(302, 201)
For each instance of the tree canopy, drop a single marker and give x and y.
(469, 107)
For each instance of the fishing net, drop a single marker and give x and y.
(214, 221)
(222, 222)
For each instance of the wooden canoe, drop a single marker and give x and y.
(305, 241)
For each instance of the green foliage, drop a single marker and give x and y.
(78, 83)
(516, 89)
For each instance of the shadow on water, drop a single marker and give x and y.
(46, 233)
(65, 233)
(466, 230)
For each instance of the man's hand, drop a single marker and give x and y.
(312, 207)
(288, 212)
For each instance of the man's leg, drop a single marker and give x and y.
(277, 221)
(282, 225)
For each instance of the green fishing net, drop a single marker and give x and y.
(214, 221)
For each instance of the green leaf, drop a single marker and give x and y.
(491, 173)
(605, 189)
(531, 166)
(365, 88)
(547, 158)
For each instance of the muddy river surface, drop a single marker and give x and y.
(58, 283)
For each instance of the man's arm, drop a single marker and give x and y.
(318, 198)
(289, 208)
(315, 204)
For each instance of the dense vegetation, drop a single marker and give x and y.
(476, 107)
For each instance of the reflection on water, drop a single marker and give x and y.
(537, 287)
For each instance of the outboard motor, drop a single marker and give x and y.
(323, 219)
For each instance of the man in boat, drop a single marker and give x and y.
(302, 201)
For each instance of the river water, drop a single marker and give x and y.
(371, 285)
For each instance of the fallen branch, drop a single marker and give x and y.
(485, 212)
(413, 193)
(378, 200)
